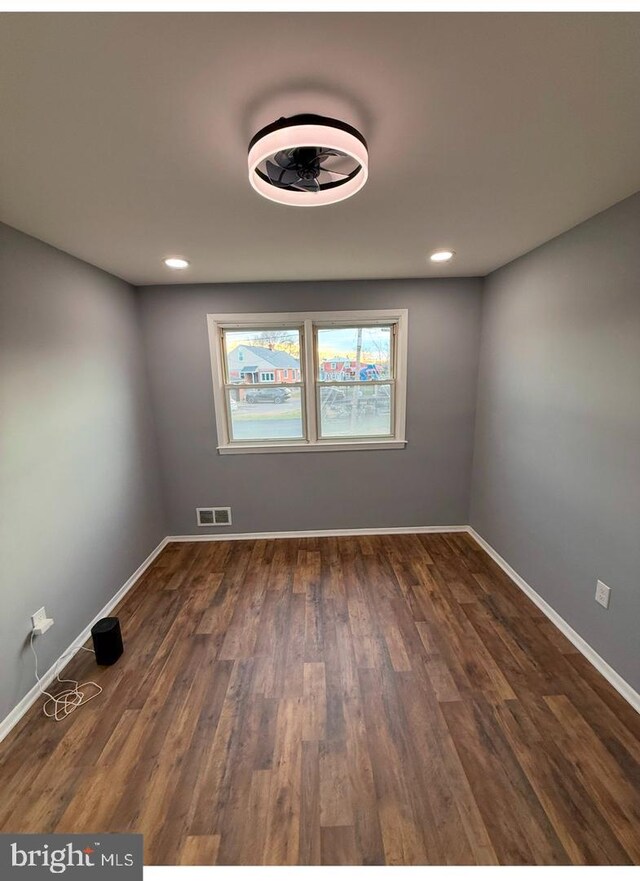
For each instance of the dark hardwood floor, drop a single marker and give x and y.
(388, 699)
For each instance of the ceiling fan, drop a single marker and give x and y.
(308, 160)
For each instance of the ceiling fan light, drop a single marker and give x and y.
(303, 133)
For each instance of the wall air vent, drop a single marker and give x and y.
(213, 516)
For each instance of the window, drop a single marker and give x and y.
(361, 403)
(307, 407)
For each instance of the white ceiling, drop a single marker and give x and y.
(123, 136)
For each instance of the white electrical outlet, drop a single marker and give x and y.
(603, 594)
(39, 616)
(40, 623)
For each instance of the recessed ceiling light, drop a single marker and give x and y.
(176, 262)
(442, 256)
(308, 160)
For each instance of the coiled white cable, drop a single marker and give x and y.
(59, 706)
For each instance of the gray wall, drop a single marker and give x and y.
(80, 505)
(425, 484)
(556, 478)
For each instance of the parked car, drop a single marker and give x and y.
(277, 395)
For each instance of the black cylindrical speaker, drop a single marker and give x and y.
(107, 641)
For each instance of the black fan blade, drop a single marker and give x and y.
(331, 171)
(281, 177)
(284, 159)
(307, 186)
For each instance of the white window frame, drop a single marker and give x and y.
(267, 376)
(306, 322)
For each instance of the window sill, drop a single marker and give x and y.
(316, 447)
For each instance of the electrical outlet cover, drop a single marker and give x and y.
(603, 594)
(39, 616)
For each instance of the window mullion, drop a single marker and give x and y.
(309, 349)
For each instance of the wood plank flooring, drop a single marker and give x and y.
(370, 700)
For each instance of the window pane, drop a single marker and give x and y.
(262, 356)
(267, 413)
(359, 411)
(354, 353)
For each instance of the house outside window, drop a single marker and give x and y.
(286, 399)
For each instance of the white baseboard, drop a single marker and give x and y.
(614, 679)
(317, 533)
(32, 696)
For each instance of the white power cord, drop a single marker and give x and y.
(59, 706)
